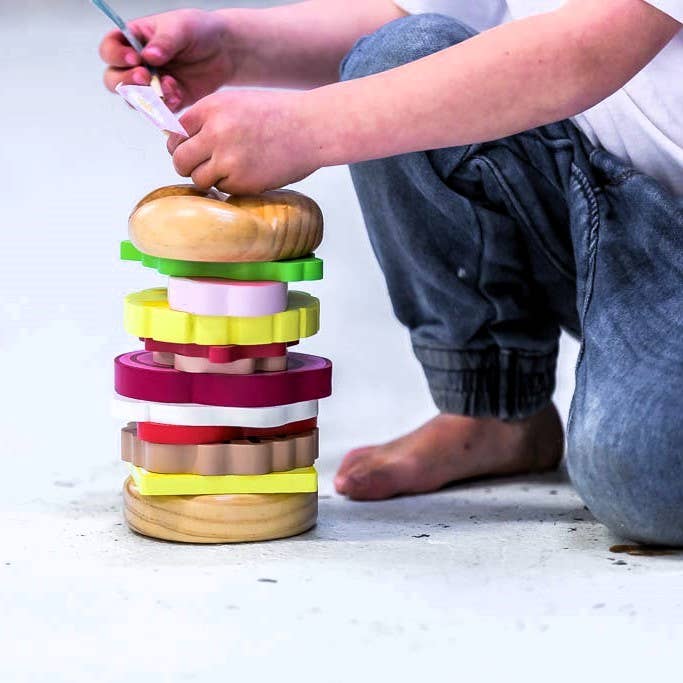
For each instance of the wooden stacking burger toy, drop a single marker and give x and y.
(222, 430)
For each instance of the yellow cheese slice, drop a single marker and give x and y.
(302, 480)
(147, 315)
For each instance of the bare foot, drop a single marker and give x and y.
(450, 448)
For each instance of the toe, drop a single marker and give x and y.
(373, 475)
(359, 484)
(340, 482)
(350, 461)
(370, 481)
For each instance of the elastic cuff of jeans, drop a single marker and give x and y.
(508, 384)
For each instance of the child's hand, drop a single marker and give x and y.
(190, 47)
(246, 141)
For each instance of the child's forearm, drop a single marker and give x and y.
(513, 78)
(300, 45)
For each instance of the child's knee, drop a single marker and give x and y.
(627, 465)
(401, 41)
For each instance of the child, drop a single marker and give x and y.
(517, 222)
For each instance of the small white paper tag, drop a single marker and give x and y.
(144, 99)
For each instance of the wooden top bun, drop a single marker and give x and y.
(185, 223)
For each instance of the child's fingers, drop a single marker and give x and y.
(193, 119)
(173, 92)
(225, 185)
(190, 154)
(169, 37)
(137, 76)
(116, 51)
(205, 175)
(174, 141)
(143, 28)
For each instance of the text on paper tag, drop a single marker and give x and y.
(143, 99)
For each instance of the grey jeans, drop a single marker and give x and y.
(489, 250)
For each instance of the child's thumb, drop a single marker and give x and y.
(167, 40)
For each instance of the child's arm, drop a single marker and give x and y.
(298, 45)
(518, 76)
(510, 79)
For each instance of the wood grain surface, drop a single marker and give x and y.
(219, 519)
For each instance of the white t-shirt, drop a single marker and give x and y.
(642, 123)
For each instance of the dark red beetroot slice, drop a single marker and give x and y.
(182, 435)
(307, 378)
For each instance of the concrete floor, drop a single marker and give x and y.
(508, 579)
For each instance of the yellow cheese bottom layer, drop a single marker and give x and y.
(302, 480)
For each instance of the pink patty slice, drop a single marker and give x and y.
(214, 296)
(307, 378)
(245, 366)
(219, 354)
